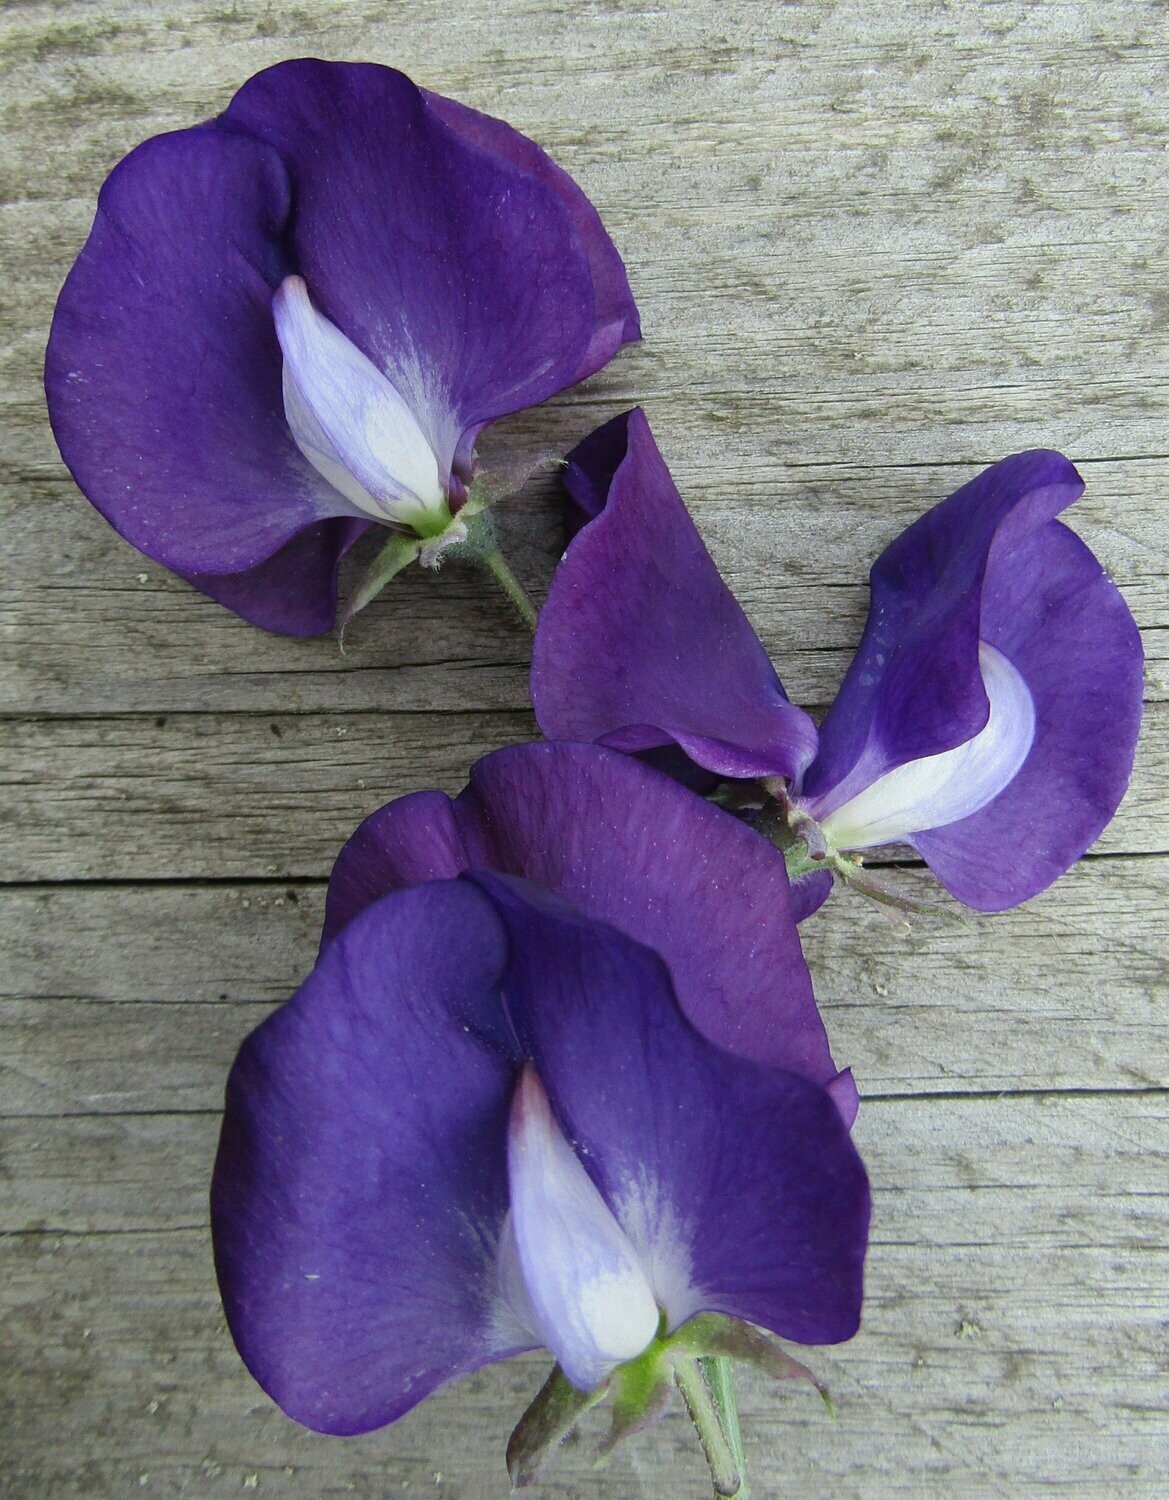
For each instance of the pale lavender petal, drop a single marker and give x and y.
(641, 643)
(360, 1186)
(349, 421)
(737, 1184)
(592, 1303)
(934, 790)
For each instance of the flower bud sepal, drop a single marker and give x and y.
(461, 533)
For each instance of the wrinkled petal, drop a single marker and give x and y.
(615, 315)
(163, 372)
(629, 846)
(458, 273)
(641, 643)
(992, 566)
(737, 1184)
(592, 1302)
(914, 687)
(360, 1186)
(1055, 614)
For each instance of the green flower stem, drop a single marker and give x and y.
(725, 1473)
(496, 565)
(719, 1373)
(800, 862)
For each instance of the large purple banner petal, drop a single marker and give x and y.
(459, 274)
(629, 846)
(360, 1186)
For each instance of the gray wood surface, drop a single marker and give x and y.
(874, 247)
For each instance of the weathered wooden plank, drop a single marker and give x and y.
(795, 545)
(240, 795)
(1013, 1336)
(128, 999)
(221, 795)
(872, 245)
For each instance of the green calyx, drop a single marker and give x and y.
(695, 1360)
(436, 537)
(807, 852)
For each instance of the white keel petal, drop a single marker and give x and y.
(589, 1297)
(349, 421)
(941, 789)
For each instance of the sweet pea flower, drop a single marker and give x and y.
(989, 718)
(292, 322)
(629, 846)
(483, 1126)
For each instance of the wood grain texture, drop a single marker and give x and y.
(793, 543)
(229, 795)
(875, 247)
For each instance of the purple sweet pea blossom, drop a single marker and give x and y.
(629, 846)
(294, 321)
(483, 1125)
(989, 718)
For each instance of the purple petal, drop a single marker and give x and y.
(163, 373)
(628, 846)
(459, 274)
(1053, 611)
(589, 471)
(615, 314)
(360, 1187)
(809, 893)
(737, 1184)
(914, 687)
(294, 592)
(641, 643)
(404, 843)
(991, 563)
